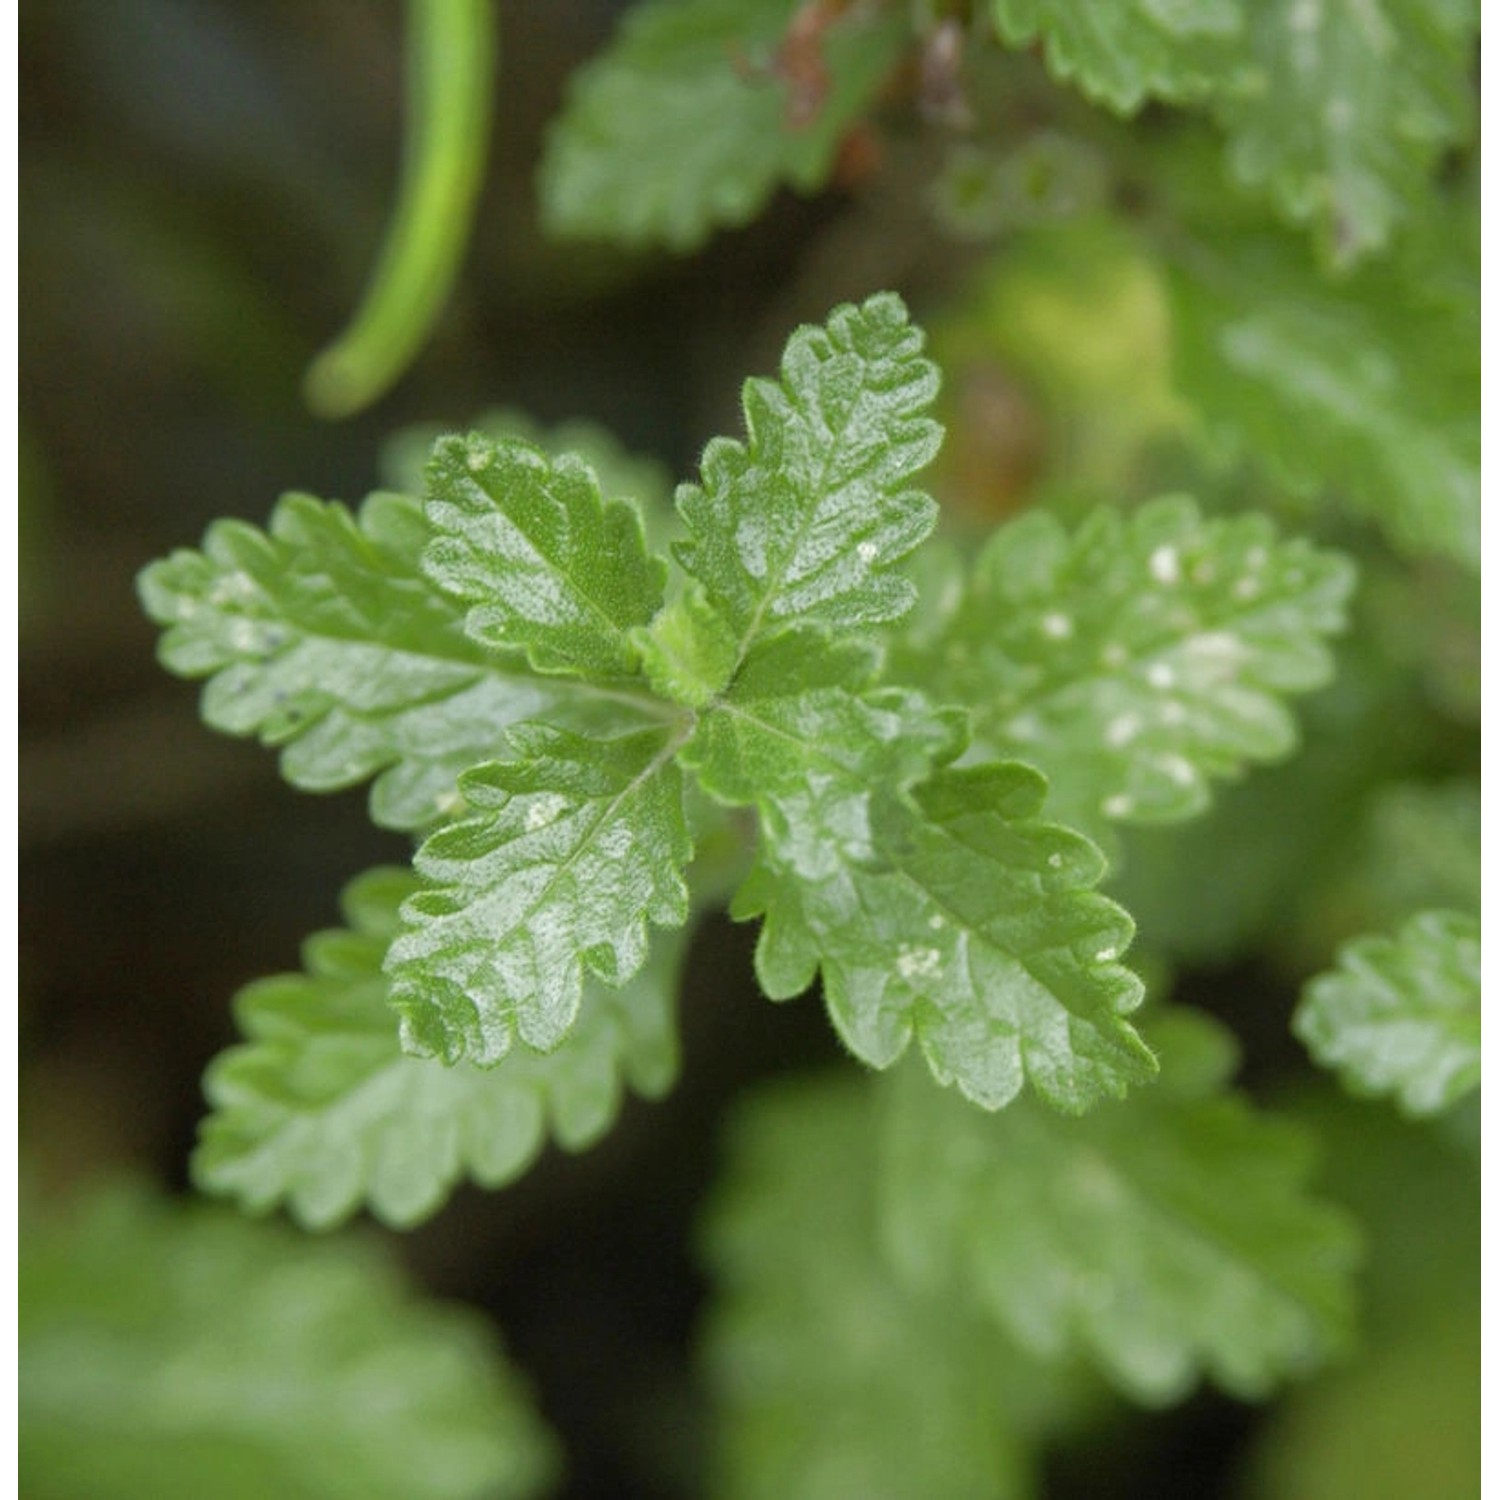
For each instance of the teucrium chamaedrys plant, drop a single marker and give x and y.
(902, 848)
(563, 717)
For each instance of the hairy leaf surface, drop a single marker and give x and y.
(323, 637)
(320, 1107)
(1174, 1240)
(618, 471)
(542, 561)
(971, 928)
(174, 1352)
(1136, 659)
(803, 523)
(834, 1378)
(1400, 1015)
(695, 114)
(802, 737)
(950, 912)
(572, 848)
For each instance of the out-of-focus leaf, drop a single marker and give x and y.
(1164, 1239)
(1365, 386)
(699, 109)
(1400, 1015)
(835, 1379)
(172, 1354)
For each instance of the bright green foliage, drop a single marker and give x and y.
(967, 923)
(1342, 110)
(950, 912)
(1368, 386)
(543, 562)
(804, 522)
(834, 1378)
(321, 1108)
(1122, 54)
(1400, 1015)
(689, 653)
(803, 736)
(693, 116)
(1135, 659)
(571, 848)
(620, 473)
(323, 637)
(170, 1355)
(1174, 1240)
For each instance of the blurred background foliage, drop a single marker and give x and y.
(203, 185)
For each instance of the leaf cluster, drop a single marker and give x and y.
(898, 781)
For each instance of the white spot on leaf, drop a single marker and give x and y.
(546, 809)
(1165, 565)
(1178, 769)
(917, 963)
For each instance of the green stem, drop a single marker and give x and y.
(449, 91)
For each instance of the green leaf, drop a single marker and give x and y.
(320, 1107)
(1368, 386)
(801, 737)
(1400, 1015)
(543, 563)
(694, 115)
(321, 636)
(803, 523)
(1172, 1240)
(619, 472)
(951, 913)
(689, 653)
(1136, 659)
(573, 846)
(1122, 54)
(834, 1379)
(170, 1353)
(1343, 111)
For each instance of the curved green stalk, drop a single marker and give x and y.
(449, 91)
